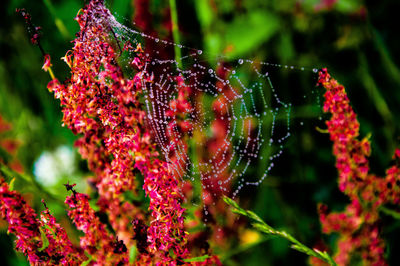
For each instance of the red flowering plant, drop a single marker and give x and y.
(103, 106)
(358, 225)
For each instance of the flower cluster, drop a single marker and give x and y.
(43, 241)
(99, 245)
(22, 222)
(103, 106)
(96, 103)
(166, 231)
(358, 223)
(180, 126)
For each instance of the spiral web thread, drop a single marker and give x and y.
(256, 115)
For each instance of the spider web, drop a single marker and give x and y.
(236, 118)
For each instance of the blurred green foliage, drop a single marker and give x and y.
(357, 40)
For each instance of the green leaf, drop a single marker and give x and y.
(197, 259)
(57, 21)
(302, 249)
(263, 228)
(50, 230)
(254, 216)
(86, 262)
(323, 131)
(249, 31)
(231, 202)
(132, 254)
(11, 186)
(45, 241)
(390, 212)
(286, 49)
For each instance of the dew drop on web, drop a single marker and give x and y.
(232, 125)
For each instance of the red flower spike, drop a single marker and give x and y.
(103, 106)
(358, 224)
(30, 231)
(97, 241)
(59, 244)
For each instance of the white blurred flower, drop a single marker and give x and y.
(50, 167)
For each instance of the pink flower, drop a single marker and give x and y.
(103, 106)
(97, 242)
(358, 224)
(47, 63)
(30, 231)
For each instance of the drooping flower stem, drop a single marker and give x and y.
(35, 36)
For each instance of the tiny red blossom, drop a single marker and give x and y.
(47, 62)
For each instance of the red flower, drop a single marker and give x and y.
(358, 224)
(31, 232)
(47, 63)
(103, 106)
(97, 242)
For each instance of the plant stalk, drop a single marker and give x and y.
(175, 32)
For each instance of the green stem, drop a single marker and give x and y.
(175, 32)
(51, 73)
(263, 227)
(390, 212)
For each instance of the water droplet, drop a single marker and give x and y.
(199, 51)
(240, 61)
